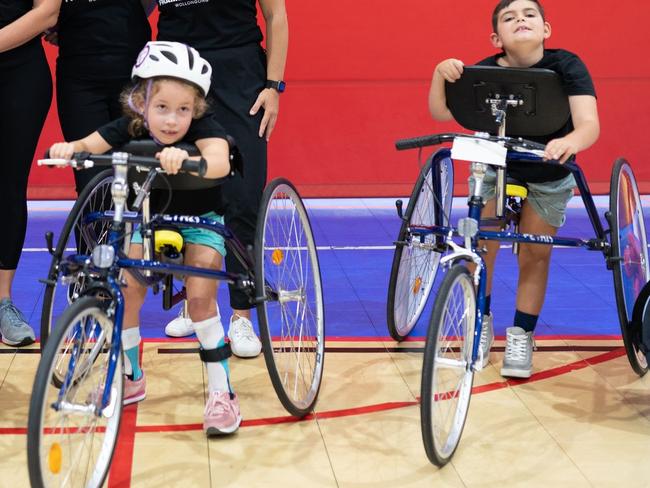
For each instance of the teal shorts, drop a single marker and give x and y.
(548, 199)
(193, 235)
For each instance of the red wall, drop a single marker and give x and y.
(358, 75)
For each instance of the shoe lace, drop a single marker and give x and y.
(484, 333)
(243, 329)
(517, 346)
(14, 316)
(218, 403)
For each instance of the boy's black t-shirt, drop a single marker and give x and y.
(101, 39)
(209, 24)
(576, 81)
(184, 202)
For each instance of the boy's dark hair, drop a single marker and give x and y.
(506, 3)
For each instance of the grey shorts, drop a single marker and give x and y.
(548, 199)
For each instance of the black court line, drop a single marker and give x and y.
(358, 350)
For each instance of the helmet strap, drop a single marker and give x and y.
(143, 113)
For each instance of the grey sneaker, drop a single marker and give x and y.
(518, 358)
(14, 328)
(487, 338)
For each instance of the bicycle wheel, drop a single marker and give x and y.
(447, 375)
(95, 197)
(640, 325)
(70, 438)
(415, 263)
(629, 255)
(291, 316)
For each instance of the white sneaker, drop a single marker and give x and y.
(243, 341)
(181, 326)
(518, 357)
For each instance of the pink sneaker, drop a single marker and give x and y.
(221, 414)
(134, 391)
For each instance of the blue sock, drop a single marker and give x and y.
(131, 346)
(525, 320)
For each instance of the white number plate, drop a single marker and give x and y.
(479, 151)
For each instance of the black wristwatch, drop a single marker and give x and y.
(278, 86)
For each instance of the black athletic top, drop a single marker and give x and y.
(209, 24)
(101, 38)
(185, 202)
(11, 10)
(576, 81)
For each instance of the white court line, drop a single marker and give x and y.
(330, 248)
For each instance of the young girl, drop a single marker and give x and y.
(167, 104)
(25, 97)
(519, 31)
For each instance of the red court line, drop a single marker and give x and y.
(120, 473)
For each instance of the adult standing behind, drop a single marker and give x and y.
(25, 97)
(245, 98)
(99, 41)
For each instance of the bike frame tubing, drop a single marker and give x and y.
(233, 244)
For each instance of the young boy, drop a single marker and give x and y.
(519, 30)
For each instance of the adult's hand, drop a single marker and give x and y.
(269, 100)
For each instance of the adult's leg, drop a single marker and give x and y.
(243, 75)
(25, 97)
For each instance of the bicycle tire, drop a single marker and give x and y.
(448, 349)
(291, 315)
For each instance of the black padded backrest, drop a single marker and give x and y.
(180, 181)
(545, 108)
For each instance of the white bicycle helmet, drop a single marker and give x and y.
(173, 59)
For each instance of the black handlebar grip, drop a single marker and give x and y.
(416, 142)
(195, 166)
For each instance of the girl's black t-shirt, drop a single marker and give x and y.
(576, 81)
(11, 10)
(209, 24)
(183, 202)
(101, 38)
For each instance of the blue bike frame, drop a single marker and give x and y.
(599, 243)
(115, 237)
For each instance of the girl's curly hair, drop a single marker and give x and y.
(137, 92)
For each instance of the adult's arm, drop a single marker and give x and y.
(277, 43)
(42, 16)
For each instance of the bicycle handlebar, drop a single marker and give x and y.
(519, 149)
(81, 160)
(435, 139)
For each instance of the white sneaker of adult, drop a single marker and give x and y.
(181, 326)
(243, 341)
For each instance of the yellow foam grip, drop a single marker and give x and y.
(167, 237)
(516, 191)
